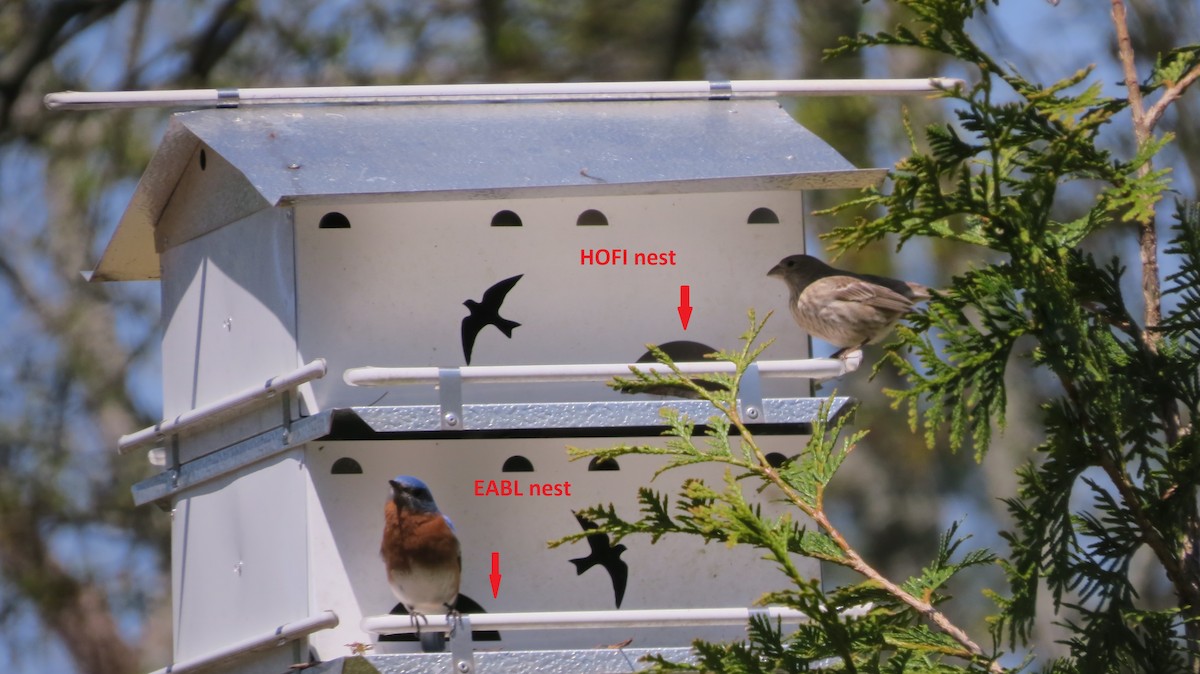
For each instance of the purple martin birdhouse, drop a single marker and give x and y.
(352, 293)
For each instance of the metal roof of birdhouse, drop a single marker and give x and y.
(427, 152)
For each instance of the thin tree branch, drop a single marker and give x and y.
(854, 560)
(1170, 94)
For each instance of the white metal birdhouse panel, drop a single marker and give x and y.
(390, 289)
(229, 315)
(346, 515)
(239, 556)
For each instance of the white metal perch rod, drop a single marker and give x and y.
(224, 407)
(278, 636)
(812, 368)
(678, 617)
(564, 91)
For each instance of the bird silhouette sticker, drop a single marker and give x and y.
(487, 312)
(604, 554)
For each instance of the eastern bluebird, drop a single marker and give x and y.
(843, 308)
(422, 555)
(487, 313)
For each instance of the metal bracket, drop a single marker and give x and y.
(173, 460)
(720, 90)
(450, 400)
(462, 646)
(285, 404)
(750, 394)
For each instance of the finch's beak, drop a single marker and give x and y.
(777, 270)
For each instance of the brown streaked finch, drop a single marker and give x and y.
(846, 309)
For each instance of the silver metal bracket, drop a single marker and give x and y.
(462, 651)
(450, 399)
(285, 403)
(720, 90)
(750, 395)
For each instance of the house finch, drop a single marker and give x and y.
(843, 308)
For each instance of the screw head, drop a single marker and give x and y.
(752, 413)
(463, 666)
(451, 419)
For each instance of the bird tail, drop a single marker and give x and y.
(506, 326)
(433, 642)
(583, 564)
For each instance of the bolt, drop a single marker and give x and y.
(464, 666)
(752, 412)
(451, 419)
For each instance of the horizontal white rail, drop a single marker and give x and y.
(222, 408)
(679, 617)
(583, 91)
(812, 368)
(281, 635)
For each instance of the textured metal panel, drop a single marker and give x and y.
(231, 459)
(583, 661)
(292, 153)
(611, 415)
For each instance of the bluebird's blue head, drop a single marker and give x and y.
(412, 494)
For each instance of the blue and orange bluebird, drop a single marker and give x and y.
(422, 555)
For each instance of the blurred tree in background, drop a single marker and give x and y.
(79, 362)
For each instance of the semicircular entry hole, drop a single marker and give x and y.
(775, 459)
(517, 464)
(762, 216)
(506, 219)
(591, 218)
(334, 220)
(598, 463)
(346, 466)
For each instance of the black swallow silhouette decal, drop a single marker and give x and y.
(487, 312)
(606, 555)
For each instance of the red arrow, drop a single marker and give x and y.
(495, 575)
(685, 305)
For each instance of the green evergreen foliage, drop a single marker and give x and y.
(1117, 471)
(872, 625)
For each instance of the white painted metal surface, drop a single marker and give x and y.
(223, 409)
(586, 91)
(810, 368)
(346, 514)
(229, 316)
(390, 289)
(690, 617)
(239, 556)
(279, 636)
